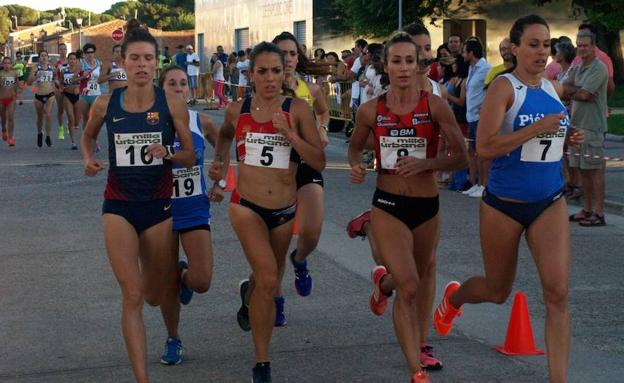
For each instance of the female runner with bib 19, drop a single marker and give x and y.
(141, 122)
(524, 191)
(273, 134)
(406, 124)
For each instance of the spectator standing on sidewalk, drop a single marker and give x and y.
(192, 69)
(587, 87)
(505, 51)
(600, 55)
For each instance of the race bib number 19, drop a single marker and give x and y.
(267, 150)
(131, 149)
(394, 147)
(186, 182)
(547, 147)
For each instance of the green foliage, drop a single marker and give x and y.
(616, 124)
(5, 24)
(609, 13)
(617, 100)
(376, 18)
(167, 14)
(25, 15)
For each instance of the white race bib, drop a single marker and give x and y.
(119, 74)
(92, 89)
(131, 149)
(547, 147)
(186, 182)
(7, 82)
(267, 150)
(45, 76)
(394, 147)
(68, 78)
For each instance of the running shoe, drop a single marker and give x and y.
(427, 360)
(5, 136)
(280, 318)
(39, 139)
(472, 189)
(355, 227)
(478, 192)
(262, 373)
(173, 352)
(48, 141)
(61, 132)
(74, 147)
(420, 377)
(11, 141)
(186, 293)
(243, 312)
(303, 280)
(445, 313)
(378, 300)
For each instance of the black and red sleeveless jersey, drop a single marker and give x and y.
(414, 134)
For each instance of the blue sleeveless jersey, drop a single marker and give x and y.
(533, 171)
(190, 203)
(132, 175)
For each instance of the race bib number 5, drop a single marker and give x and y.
(547, 147)
(186, 182)
(131, 149)
(394, 147)
(267, 150)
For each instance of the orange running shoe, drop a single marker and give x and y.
(445, 313)
(420, 377)
(378, 300)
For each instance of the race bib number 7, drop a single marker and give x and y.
(547, 147)
(131, 149)
(394, 147)
(267, 150)
(186, 182)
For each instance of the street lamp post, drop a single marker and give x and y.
(58, 36)
(15, 17)
(79, 21)
(400, 14)
(33, 39)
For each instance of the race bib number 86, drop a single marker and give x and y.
(394, 147)
(547, 147)
(186, 182)
(131, 149)
(267, 150)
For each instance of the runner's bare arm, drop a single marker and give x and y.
(209, 129)
(364, 122)
(302, 134)
(90, 134)
(445, 119)
(224, 141)
(321, 112)
(498, 99)
(180, 117)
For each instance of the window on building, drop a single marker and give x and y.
(241, 39)
(465, 29)
(299, 30)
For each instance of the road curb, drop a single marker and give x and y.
(611, 207)
(614, 137)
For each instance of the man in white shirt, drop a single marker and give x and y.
(243, 68)
(192, 69)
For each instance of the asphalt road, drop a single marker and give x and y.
(60, 304)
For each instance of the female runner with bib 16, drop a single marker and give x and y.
(524, 191)
(406, 124)
(141, 122)
(273, 133)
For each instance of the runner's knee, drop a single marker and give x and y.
(407, 290)
(132, 297)
(556, 297)
(499, 294)
(267, 283)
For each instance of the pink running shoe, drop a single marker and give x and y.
(445, 313)
(378, 300)
(420, 377)
(355, 227)
(427, 360)
(5, 136)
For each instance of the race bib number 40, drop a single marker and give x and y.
(394, 147)
(267, 150)
(186, 182)
(93, 88)
(547, 147)
(131, 149)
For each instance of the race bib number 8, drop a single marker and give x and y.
(267, 150)
(186, 182)
(394, 147)
(131, 149)
(547, 147)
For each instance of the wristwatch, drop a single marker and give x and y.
(221, 183)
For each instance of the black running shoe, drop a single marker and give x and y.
(243, 312)
(39, 139)
(48, 141)
(262, 373)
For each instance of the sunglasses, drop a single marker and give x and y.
(89, 52)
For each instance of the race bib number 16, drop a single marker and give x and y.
(131, 149)
(394, 147)
(267, 150)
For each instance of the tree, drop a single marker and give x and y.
(376, 18)
(25, 15)
(5, 24)
(608, 15)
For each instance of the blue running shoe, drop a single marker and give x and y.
(303, 280)
(280, 318)
(173, 352)
(262, 373)
(186, 293)
(242, 316)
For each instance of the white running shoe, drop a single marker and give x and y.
(472, 189)
(478, 193)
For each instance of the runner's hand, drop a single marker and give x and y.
(577, 137)
(156, 151)
(216, 193)
(215, 170)
(324, 138)
(93, 166)
(358, 173)
(407, 166)
(281, 124)
(549, 123)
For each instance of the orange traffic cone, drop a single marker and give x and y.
(519, 340)
(230, 181)
(295, 227)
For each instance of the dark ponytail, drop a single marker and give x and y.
(136, 33)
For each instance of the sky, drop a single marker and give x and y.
(97, 6)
